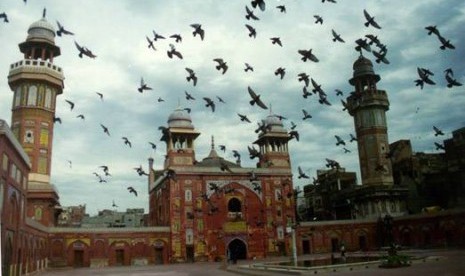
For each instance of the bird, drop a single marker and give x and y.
(256, 187)
(294, 134)
(249, 14)
(188, 96)
(70, 163)
(281, 8)
(339, 141)
(198, 30)
(143, 86)
(380, 56)
(307, 55)
(445, 43)
(293, 125)
(224, 166)
(173, 51)
(105, 169)
(187, 109)
(57, 119)
(301, 173)
(346, 150)
(306, 115)
(236, 154)
(373, 40)
(170, 174)
(105, 129)
(114, 205)
(127, 142)
(260, 3)
(157, 36)
(222, 147)
(160, 100)
(132, 190)
(280, 71)
(248, 67)
(220, 99)
(252, 31)
(303, 77)
(209, 103)
(221, 65)
(370, 20)
(437, 131)
(439, 146)
(332, 164)
(140, 171)
(256, 99)
(81, 116)
(306, 93)
(5, 17)
(329, 1)
(317, 87)
(339, 92)
(432, 30)
(451, 81)
(424, 74)
(153, 145)
(214, 187)
(276, 40)
(177, 38)
(61, 30)
(252, 176)
(191, 76)
(253, 152)
(323, 99)
(318, 19)
(84, 51)
(362, 44)
(352, 138)
(71, 104)
(336, 36)
(150, 43)
(100, 95)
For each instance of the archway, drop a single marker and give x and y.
(237, 250)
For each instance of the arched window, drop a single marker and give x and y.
(234, 205)
(32, 95)
(48, 98)
(17, 97)
(188, 195)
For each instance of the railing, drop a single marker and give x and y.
(36, 63)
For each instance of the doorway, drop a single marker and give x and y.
(190, 254)
(158, 255)
(305, 247)
(119, 256)
(334, 245)
(362, 241)
(78, 258)
(237, 249)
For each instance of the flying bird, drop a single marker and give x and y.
(252, 31)
(451, 81)
(293, 125)
(153, 145)
(424, 74)
(140, 171)
(221, 65)
(249, 14)
(57, 119)
(105, 129)
(439, 146)
(362, 44)
(339, 141)
(301, 173)
(209, 103)
(61, 30)
(248, 67)
(80, 116)
(294, 134)
(445, 43)
(306, 93)
(244, 118)
(114, 205)
(303, 77)
(188, 96)
(339, 92)
(100, 95)
(437, 131)
(260, 3)
(253, 152)
(220, 99)
(143, 86)
(256, 187)
(306, 115)
(132, 190)
(5, 17)
(150, 43)
(276, 40)
(237, 155)
(381, 56)
(172, 52)
(370, 20)
(198, 30)
(317, 87)
(373, 40)
(84, 51)
(432, 30)
(222, 148)
(177, 38)
(352, 138)
(256, 99)
(346, 150)
(225, 167)
(127, 142)
(157, 36)
(337, 37)
(307, 55)
(281, 8)
(318, 19)
(191, 76)
(71, 104)
(280, 71)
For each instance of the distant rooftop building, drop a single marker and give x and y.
(109, 218)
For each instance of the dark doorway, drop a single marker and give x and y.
(362, 242)
(334, 245)
(158, 255)
(190, 254)
(306, 247)
(119, 257)
(406, 238)
(238, 250)
(282, 248)
(6, 262)
(78, 258)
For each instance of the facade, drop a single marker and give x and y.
(217, 208)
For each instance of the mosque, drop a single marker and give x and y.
(206, 210)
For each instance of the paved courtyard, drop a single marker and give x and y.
(448, 263)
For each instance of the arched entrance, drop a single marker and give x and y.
(237, 250)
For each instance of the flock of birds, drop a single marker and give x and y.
(362, 45)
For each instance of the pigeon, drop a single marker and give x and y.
(225, 167)
(143, 86)
(257, 187)
(373, 40)
(105, 170)
(248, 67)
(280, 71)
(61, 30)
(370, 20)
(318, 19)
(329, 1)
(126, 141)
(339, 141)
(256, 99)
(451, 81)
(244, 118)
(294, 134)
(437, 131)
(170, 174)
(153, 145)
(432, 30)
(301, 173)
(253, 153)
(236, 155)
(303, 77)
(339, 92)
(293, 125)
(439, 146)
(187, 109)
(160, 100)
(81, 116)
(336, 36)
(362, 44)
(306, 93)
(252, 176)
(424, 77)
(323, 99)
(317, 87)
(252, 31)
(281, 8)
(84, 51)
(250, 14)
(71, 104)
(346, 150)
(344, 105)
(220, 99)
(105, 129)
(307, 55)
(157, 36)
(132, 190)
(191, 76)
(352, 138)
(306, 115)
(150, 43)
(198, 30)
(332, 164)
(209, 103)
(173, 51)
(276, 40)
(5, 17)
(57, 120)
(381, 56)
(100, 95)
(445, 43)
(188, 96)
(221, 65)
(114, 205)
(140, 171)
(177, 38)
(259, 3)
(222, 147)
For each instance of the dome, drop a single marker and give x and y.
(41, 30)
(180, 118)
(363, 67)
(274, 123)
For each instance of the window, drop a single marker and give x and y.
(280, 232)
(1, 193)
(48, 98)
(234, 205)
(5, 162)
(188, 195)
(32, 95)
(17, 97)
(189, 236)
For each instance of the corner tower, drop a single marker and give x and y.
(36, 82)
(368, 106)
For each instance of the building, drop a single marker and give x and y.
(214, 206)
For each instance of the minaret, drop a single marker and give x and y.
(36, 82)
(179, 138)
(368, 106)
(272, 142)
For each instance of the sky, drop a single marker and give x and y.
(116, 31)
